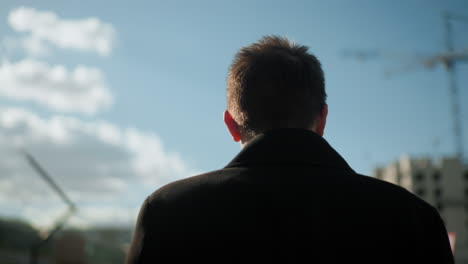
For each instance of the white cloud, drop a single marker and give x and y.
(105, 169)
(46, 27)
(98, 164)
(81, 89)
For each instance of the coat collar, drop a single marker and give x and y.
(289, 147)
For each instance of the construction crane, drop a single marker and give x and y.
(61, 220)
(448, 60)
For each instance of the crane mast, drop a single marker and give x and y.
(453, 86)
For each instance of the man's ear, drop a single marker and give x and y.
(321, 121)
(232, 126)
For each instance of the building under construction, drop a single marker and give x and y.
(443, 184)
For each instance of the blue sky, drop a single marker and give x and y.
(168, 62)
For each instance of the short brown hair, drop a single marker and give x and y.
(275, 83)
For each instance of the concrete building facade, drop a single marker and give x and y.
(444, 185)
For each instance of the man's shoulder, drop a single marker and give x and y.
(190, 186)
(389, 193)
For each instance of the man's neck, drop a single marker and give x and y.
(245, 140)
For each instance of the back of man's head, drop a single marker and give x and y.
(274, 83)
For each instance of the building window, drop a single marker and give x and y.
(437, 192)
(419, 176)
(436, 176)
(420, 192)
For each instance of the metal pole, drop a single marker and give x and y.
(48, 179)
(34, 250)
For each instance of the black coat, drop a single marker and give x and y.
(287, 197)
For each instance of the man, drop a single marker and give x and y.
(288, 196)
